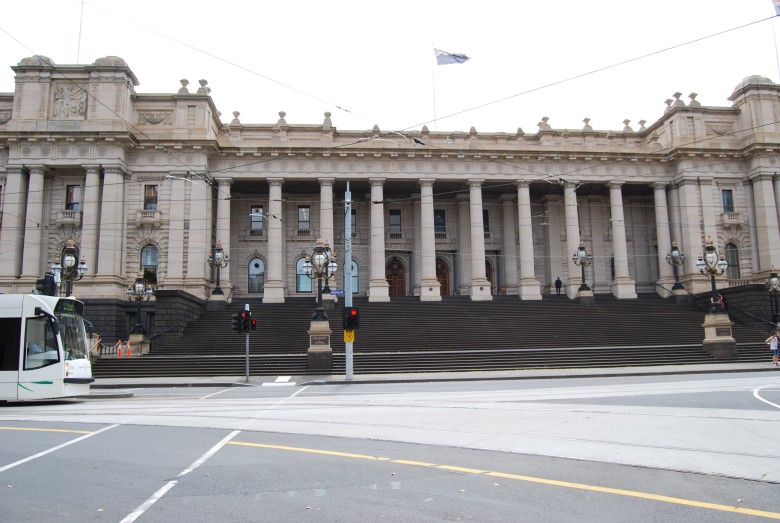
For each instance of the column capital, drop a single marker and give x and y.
(762, 177)
(91, 167)
(615, 184)
(659, 185)
(522, 183)
(116, 169)
(376, 181)
(275, 182)
(426, 182)
(224, 181)
(476, 182)
(324, 182)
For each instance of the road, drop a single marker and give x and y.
(641, 448)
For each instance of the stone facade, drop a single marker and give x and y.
(151, 182)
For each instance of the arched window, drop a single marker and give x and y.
(355, 278)
(302, 282)
(732, 258)
(256, 275)
(149, 263)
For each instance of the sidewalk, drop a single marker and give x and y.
(340, 379)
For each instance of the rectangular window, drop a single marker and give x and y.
(486, 222)
(256, 221)
(395, 220)
(150, 197)
(728, 200)
(73, 198)
(304, 219)
(439, 223)
(354, 223)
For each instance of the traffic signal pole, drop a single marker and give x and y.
(246, 308)
(348, 273)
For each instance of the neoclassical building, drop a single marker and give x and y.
(153, 182)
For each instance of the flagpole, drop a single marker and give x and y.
(433, 74)
(777, 56)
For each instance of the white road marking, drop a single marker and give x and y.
(757, 395)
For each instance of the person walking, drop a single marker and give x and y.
(558, 284)
(772, 342)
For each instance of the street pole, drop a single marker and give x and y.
(348, 272)
(246, 308)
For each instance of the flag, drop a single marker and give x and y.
(776, 3)
(444, 58)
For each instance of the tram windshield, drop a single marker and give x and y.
(74, 336)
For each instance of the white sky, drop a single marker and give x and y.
(376, 59)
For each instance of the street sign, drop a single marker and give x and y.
(349, 336)
(337, 292)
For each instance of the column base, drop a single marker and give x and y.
(378, 291)
(480, 290)
(430, 290)
(624, 289)
(530, 290)
(273, 292)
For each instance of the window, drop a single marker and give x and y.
(354, 223)
(355, 278)
(73, 198)
(486, 222)
(304, 220)
(395, 223)
(732, 258)
(439, 223)
(256, 222)
(150, 197)
(728, 200)
(40, 344)
(149, 263)
(302, 282)
(256, 275)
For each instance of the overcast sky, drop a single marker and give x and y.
(373, 63)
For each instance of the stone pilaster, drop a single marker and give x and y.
(572, 236)
(33, 225)
(665, 271)
(14, 202)
(90, 218)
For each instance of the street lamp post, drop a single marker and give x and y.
(582, 258)
(66, 269)
(139, 291)
(321, 264)
(676, 258)
(712, 264)
(219, 260)
(773, 286)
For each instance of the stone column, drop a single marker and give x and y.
(199, 245)
(273, 291)
(530, 289)
(675, 229)
(767, 232)
(326, 230)
(623, 287)
(430, 288)
(90, 218)
(113, 226)
(692, 240)
(572, 237)
(223, 233)
(463, 265)
(509, 245)
(378, 288)
(480, 286)
(707, 204)
(665, 271)
(33, 226)
(175, 274)
(11, 240)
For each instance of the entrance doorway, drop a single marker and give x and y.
(395, 273)
(443, 275)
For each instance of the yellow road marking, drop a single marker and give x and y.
(48, 430)
(532, 479)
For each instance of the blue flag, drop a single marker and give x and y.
(444, 58)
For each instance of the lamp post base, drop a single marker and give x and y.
(718, 340)
(319, 357)
(585, 297)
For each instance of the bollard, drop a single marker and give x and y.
(119, 349)
(127, 350)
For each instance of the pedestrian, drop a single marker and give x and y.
(772, 342)
(558, 284)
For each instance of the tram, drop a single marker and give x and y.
(44, 349)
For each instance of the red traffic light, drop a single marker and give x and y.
(351, 318)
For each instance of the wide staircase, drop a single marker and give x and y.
(456, 334)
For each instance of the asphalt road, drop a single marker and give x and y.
(647, 448)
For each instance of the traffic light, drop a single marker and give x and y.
(351, 318)
(245, 321)
(237, 323)
(46, 285)
(253, 322)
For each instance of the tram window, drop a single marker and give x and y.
(40, 344)
(10, 331)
